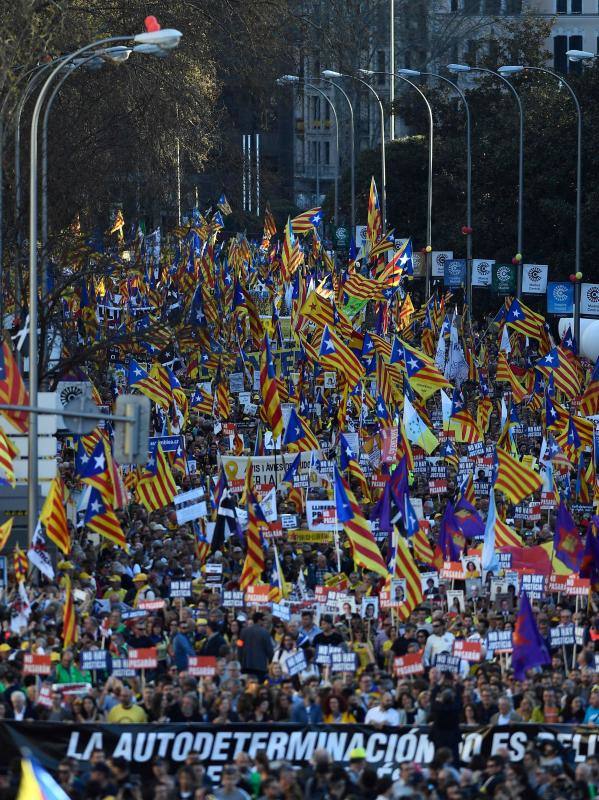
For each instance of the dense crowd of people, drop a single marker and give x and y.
(323, 646)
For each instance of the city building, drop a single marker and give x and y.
(428, 35)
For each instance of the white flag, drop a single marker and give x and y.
(440, 354)
(38, 555)
(457, 368)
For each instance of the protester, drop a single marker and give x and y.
(360, 574)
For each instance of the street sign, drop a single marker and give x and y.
(342, 236)
(85, 405)
(131, 438)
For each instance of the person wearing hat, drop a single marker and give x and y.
(357, 762)
(115, 588)
(143, 589)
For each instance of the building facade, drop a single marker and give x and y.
(428, 35)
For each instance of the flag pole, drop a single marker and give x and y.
(336, 529)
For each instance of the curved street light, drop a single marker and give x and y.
(166, 39)
(416, 73)
(294, 80)
(429, 213)
(326, 73)
(574, 55)
(329, 73)
(459, 68)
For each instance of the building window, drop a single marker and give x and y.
(560, 59)
(454, 5)
(561, 7)
(381, 66)
(514, 7)
(471, 52)
(492, 7)
(575, 44)
(314, 152)
(471, 7)
(327, 153)
(315, 115)
(576, 6)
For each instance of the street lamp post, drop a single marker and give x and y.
(429, 211)
(166, 39)
(332, 74)
(294, 79)
(417, 73)
(574, 55)
(352, 146)
(457, 68)
(3, 115)
(115, 54)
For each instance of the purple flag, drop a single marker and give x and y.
(382, 510)
(567, 543)
(469, 520)
(449, 528)
(529, 647)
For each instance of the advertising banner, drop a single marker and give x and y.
(589, 299)
(482, 269)
(560, 297)
(504, 278)
(534, 278)
(438, 259)
(454, 274)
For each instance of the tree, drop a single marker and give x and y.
(550, 153)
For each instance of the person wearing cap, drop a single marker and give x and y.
(357, 762)
(115, 588)
(143, 590)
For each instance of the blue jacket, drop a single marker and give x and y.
(183, 648)
(306, 715)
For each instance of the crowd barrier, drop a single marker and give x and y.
(216, 746)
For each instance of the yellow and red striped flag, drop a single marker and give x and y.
(405, 567)
(505, 536)
(20, 564)
(8, 452)
(514, 479)
(269, 391)
(270, 227)
(291, 254)
(335, 353)
(12, 390)
(365, 550)
(504, 374)
(557, 364)
(69, 617)
(307, 221)
(422, 547)
(253, 566)
(5, 531)
(589, 402)
(374, 228)
(101, 519)
(140, 380)
(157, 487)
(202, 402)
(54, 516)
